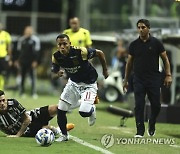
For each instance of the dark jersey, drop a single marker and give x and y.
(11, 121)
(146, 57)
(76, 64)
(28, 49)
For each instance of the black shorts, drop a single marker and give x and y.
(40, 117)
(3, 66)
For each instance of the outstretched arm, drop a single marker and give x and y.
(102, 60)
(25, 123)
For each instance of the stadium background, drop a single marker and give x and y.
(107, 21)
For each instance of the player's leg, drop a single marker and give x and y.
(154, 98)
(32, 73)
(87, 107)
(23, 71)
(68, 97)
(52, 109)
(3, 69)
(139, 93)
(39, 117)
(63, 107)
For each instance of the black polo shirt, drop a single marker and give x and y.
(146, 57)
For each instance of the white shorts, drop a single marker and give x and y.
(76, 94)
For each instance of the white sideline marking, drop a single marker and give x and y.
(175, 146)
(78, 140)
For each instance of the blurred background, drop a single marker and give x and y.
(109, 22)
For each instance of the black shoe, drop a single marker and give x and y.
(139, 134)
(140, 131)
(151, 129)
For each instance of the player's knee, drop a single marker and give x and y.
(85, 114)
(52, 109)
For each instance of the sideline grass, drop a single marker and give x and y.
(106, 123)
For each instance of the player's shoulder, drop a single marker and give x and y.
(12, 102)
(67, 31)
(35, 38)
(84, 30)
(21, 38)
(56, 55)
(5, 33)
(136, 41)
(154, 39)
(78, 49)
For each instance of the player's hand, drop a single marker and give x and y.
(167, 81)
(125, 86)
(60, 73)
(13, 136)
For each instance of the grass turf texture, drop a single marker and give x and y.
(106, 123)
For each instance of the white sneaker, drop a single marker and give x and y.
(138, 136)
(57, 131)
(92, 118)
(62, 138)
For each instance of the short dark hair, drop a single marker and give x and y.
(1, 93)
(62, 36)
(144, 21)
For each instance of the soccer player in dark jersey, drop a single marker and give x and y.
(16, 121)
(143, 57)
(81, 88)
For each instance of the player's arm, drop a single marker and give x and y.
(25, 123)
(168, 78)
(55, 70)
(128, 69)
(88, 39)
(57, 75)
(102, 60)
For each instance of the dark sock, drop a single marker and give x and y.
(62, 121)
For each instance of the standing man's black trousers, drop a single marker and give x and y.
(151, 88)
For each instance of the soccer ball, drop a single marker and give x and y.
(45, 137)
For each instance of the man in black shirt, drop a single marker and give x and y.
(16, 121)
(143, 57)
(28, 47)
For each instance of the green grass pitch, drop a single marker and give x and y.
(106, 123)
